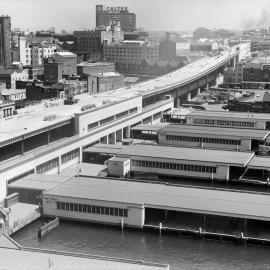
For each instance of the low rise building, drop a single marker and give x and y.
(6, 109)
(61, 64)
(93, 69)
(106, 81)
(256, 74)
(18, 96)
(10, 76)
(229, 119)
(213, 137)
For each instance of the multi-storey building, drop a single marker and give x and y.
(33, 54)
(105, 15)
(167, 49)
(5, 41)
(131, 51)
(61, 64)
(234, 76)
(10, 76)
(256, 74)
(89, 44)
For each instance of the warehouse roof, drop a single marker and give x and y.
(12, 255)
(110, 149)
(184, 153)
(259, 162)
(260, 134)
(145, 127)
(227, 114)
(38, 181)
(156, 195)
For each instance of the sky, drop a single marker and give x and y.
(176, 15)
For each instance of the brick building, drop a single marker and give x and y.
(61, 64)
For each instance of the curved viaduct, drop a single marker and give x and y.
(188, 81)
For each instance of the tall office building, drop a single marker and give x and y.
(5, 41)
(105, 15)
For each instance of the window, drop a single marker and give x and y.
(92, 209)
(173, 166)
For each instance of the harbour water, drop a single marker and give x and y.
(180, 253)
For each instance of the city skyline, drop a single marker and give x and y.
(176, 15)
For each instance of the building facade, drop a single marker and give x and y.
(167, 49)
(131, 52)
(61, 64)
(105, 15)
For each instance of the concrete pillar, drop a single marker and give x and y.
(22, 147)
(104, 139)
(111, 138)
(119, 135)
(80, 154)
(234, 61)
(126, 132)
(199, 91)
(49, 137)
(59, 164)
(188, 96)
(207, 86)
(178, 102)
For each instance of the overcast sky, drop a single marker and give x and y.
(151, 14)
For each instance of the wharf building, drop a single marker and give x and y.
(229, 119)
(106, 15)
(149, 159)
(209, 137)
(213, 137)
(5, 41)
(143, 205)
(106, 117)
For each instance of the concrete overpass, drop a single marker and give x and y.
(188, 81)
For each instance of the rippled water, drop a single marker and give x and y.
(180, 253)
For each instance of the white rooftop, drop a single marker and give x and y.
(66, 54)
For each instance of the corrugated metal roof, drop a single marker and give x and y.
(187, 199)
(227, 114)
(185, 153)
(105, 148)
(32, 259)
(145, 127)
(260, 162)
(38, 181)
(216, 131)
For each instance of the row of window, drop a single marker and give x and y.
(173, 166)
(92, 209)
(111, 118)
(203, 140)
(224, 123)
(70, 156)
(47, 166)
